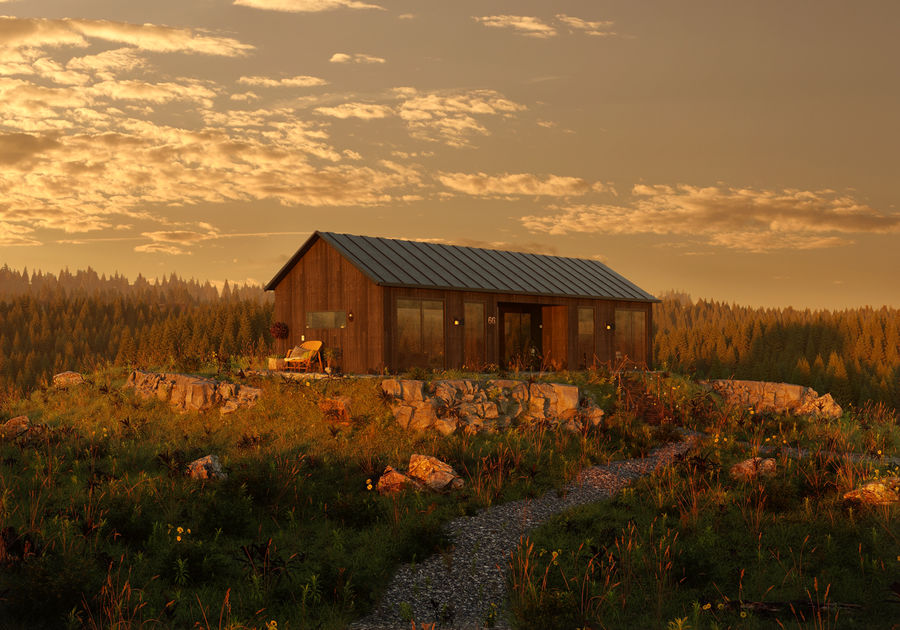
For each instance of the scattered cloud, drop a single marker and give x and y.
(159, 248)
(737, 218)
(451, 117)
(355, 58)
(305, 6)
(535, 27)
(600, 29)
(42, 32)
(298, 81)
(366, 111)
(514, 184)
(523, 24)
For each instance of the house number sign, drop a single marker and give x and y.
(492, 320)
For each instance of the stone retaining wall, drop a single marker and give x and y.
(475, 406)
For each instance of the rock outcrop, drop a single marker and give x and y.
(777, 397)
(67, 379)
(192, 393)
(392, 481)
(14, 427)
(424, 472)
(879, 492)
(476, 406)
(750, 469)
(208, 467)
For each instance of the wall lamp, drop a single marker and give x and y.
(458, 321)
(350, 316)
(610, 327)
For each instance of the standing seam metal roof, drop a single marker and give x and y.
(398, 263)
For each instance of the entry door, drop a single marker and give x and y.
(521, 338)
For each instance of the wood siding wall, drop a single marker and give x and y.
(323, 280)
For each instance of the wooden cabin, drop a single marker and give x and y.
(386, 304)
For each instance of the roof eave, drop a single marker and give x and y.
(392, 285)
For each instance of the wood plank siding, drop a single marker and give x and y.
(323, 280)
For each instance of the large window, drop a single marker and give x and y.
(326, 319)
(473, 333)
(420, 333)
(631, 335)
(585, 336)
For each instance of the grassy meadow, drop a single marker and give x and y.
(100, 527)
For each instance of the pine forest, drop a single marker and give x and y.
(75, 321)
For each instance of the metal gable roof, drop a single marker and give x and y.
(398, 263)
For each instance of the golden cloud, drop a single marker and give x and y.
(42, 32)
(600, 29)
(365, 111)
(514, 184)
(305, 6)
(354, 58)
(523, 24)
(299, 81)
(738, 218)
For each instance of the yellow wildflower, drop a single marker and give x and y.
(180, 530)
(743, 614)
(178, 538)
(707, 606)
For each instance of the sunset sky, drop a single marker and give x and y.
(739, 151)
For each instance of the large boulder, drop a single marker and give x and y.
(777, 397)
(750, 469)
(67, 379)
(192, 393)
(879, 492)
(336, 409)
(392, 481)
(433, 473)
(208, 467)
(14, 427)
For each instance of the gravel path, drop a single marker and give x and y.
(459, 589)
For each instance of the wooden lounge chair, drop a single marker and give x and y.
(301, 358)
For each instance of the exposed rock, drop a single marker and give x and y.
(823, 406)
(392, 387)
(14, 427)
(392, 481)
(880, 492)
(477, 406)
(207, 467)
(445, 426)
(434, 473)
(751, 468)
(336, 409)
(592, 415)
(192, 393)
(777, 397)
(66, 379)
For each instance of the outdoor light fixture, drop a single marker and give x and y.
(350, 316)
(457, 321)
(610, 327)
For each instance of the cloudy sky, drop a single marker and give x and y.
(740, 151)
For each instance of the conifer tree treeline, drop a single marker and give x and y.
(49, 323)
(854, 354)
(77, 321)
